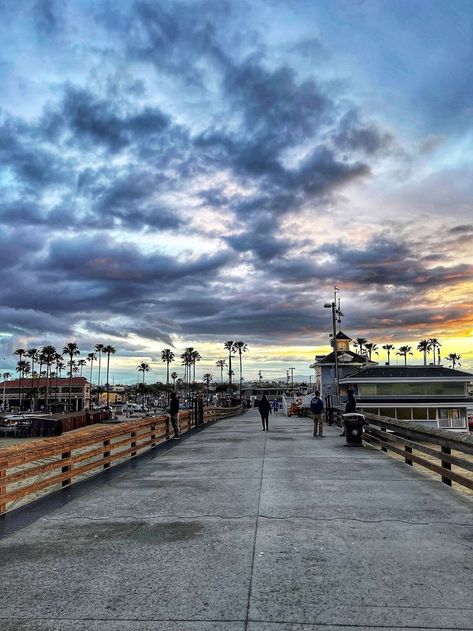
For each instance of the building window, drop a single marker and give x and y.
(391, 412)
(420, 414)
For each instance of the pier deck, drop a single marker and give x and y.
(234, 529)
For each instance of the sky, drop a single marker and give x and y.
(178, 174)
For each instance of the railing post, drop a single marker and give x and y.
(66, 468)
(385, 449)
(3, 492)
(446, 465)
(153, 436)
(106, 454)
(408, 450)
(133, 443)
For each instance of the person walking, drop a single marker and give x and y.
(275, 407)
(350, 406)
(317, 409)
(174, 412)
(264, 408)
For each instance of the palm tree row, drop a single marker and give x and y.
(48, 357)
(232, 348)
(426, 346)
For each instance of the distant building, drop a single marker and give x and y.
(32, 391)
(432, 395)
(348, 362)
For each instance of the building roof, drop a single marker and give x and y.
(341, 336)
(402, 373)
(28, 382)
(354, 358)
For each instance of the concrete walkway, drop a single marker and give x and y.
(235, 529)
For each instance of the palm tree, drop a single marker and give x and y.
(19, 353)
(454, 358)
(424, 347)
(360, 343)
(91, 357)
(48, 357)
(231, 350)
(32, 353)
(241, 348)
(98, 349)
(60, 365)
(187, 363)
(371, 347)
(108, 350)
(70, 349)
(81, 363)
(174, 376)
(167, 356)
(435, 345)
(221, 363)
(144, 368)
(404, 351)
(195, 357)
(21, 368)
(207, 379)
(388, 348)
(6, 376)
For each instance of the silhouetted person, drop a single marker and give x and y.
(317, 409)
(174, 412)
(264, 408)
(350, 406)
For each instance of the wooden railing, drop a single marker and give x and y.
(31, 469)
(428, 447)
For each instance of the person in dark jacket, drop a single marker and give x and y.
(350, 406)
(174, 412)
(264, 408)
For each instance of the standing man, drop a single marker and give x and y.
(317, 409)
(275, 407)
(264, 408)
(350, 406)
(174, 412)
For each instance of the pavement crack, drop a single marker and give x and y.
(365, 521)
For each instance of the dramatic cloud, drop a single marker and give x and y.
(183, 172)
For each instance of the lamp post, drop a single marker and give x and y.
(336, 315)
(292, 381)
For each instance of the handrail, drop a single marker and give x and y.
(35, 467)
(405, 438)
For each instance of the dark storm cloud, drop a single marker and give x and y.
(47, 15)
(353, 135)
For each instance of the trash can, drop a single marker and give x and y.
(353, 423)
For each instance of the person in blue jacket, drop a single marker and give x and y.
(317, 409)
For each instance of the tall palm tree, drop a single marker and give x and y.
(388, 348)
(221, 363)
(424, 347)
(6, 376)
(98, 349)
(435, 346)
(241, 348)
(72, 350)
(195, 357)
(207, 379)
(22, 368)
(91, 357)
(360, 343)
(32, 353)
(48, 357)
(371, 348)
(174, 376)
(19, 353)
(167, 356)
(404, 351)
(231, 350)
(60, 365)
(108, 350)
(81, 363)
(454, 358)
(144, 368)
(187, 363)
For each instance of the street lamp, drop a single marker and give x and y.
(336, 315)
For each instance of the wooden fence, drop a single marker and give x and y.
(31, 469)
(428, 447)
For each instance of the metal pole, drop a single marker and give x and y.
(335, 351)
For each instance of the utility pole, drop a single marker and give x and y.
(292, 381)
(336, 317)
